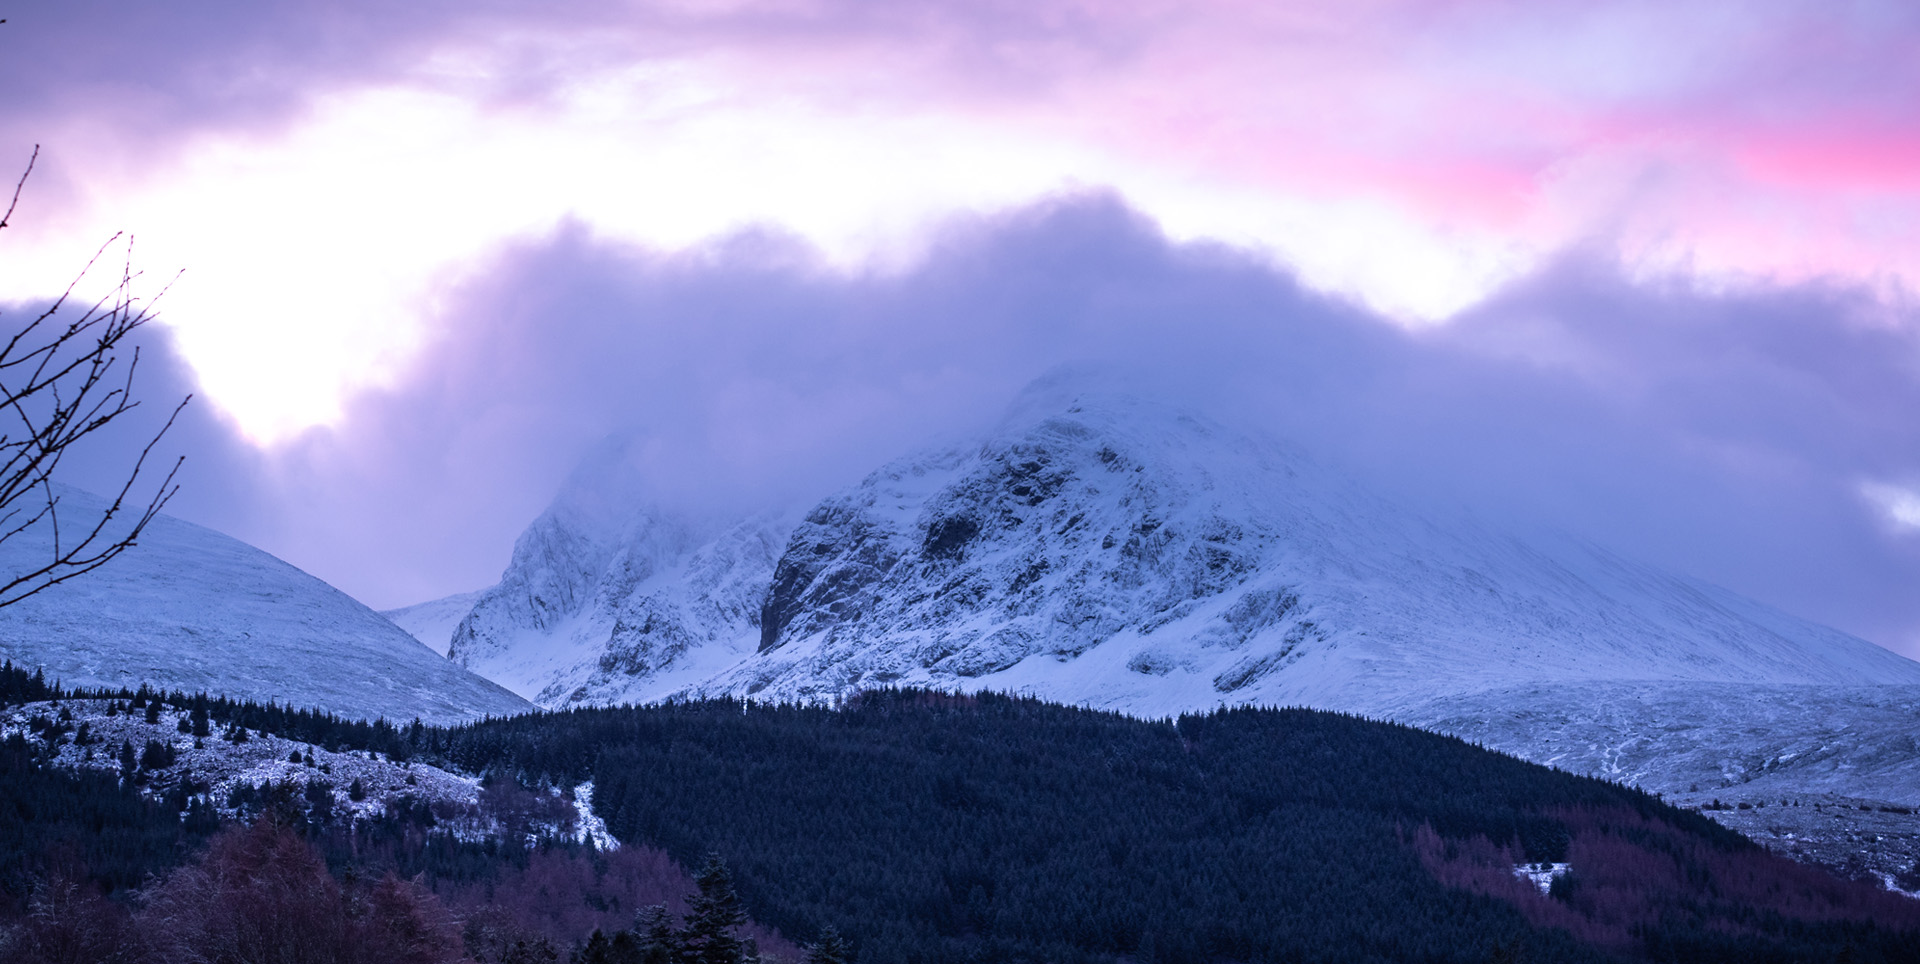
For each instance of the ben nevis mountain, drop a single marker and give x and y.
(1107, 550)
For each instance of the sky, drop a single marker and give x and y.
(1644, 271)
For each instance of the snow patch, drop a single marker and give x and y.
(1542, 874)
(592, 829)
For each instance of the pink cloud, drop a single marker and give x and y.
(1467, 114)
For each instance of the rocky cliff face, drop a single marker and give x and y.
(1046, 541)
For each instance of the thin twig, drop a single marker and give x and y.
(22, 183)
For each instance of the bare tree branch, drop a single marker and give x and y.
(4, 218)
(61, 382)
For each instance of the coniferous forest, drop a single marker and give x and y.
(911, 826)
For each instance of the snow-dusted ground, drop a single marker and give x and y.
(1737, 741)
(261, 760)
(192, 610)
(214, 765)
(1869, 839)
(592, 829)
(1828, 774)
(1541, 875)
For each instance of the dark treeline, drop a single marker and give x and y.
(933, 828)
(937, 828)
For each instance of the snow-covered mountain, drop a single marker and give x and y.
(193, 610)
(609, 599)
(1106, 550)
(1116, 553)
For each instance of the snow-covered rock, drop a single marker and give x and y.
(610, 599)
(192, 610)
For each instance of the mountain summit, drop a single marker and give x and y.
(1108, 550)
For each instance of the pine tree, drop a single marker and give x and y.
(597, 951)
(712, 914)
(659, 942)
(831, 948)
(624, 948)
(202, 721)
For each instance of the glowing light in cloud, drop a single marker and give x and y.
(313, 258)
(1900, 505)
(1412, 155)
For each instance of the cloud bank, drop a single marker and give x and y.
(1730, 435)
(343, 159)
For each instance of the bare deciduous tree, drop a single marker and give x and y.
(61, 381)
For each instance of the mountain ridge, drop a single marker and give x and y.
(193, 610)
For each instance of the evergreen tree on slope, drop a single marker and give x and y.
(712, 916)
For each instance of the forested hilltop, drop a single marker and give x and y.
(926, 827)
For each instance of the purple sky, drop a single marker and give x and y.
(1639, 271)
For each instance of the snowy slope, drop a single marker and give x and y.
(433, 622)
(1704, 741)
(191, 609)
